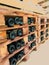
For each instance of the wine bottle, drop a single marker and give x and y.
(20, 32)
(29, 20)
(46, 30)
(11, 34)
(32, 44)
(42, 38)
(13, 60)
(33, 20)
(16, 20)
(20, 54)
(22, 42)
(18, 45)
(46, 34)
(11, 48)
(33, 36)
(31, 28)
(9, 21)
(29, 38)
(19, 20)
(42, 32)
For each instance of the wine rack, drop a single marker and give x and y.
(19, 37)
(47, 29)
(20, 34)
(41, 29)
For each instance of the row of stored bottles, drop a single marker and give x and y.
(10, 20)
(43, 34)
(13, 60)
(13, 33)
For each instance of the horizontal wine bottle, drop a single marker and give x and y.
(20, 54)
(31, 37)
(32, 28)
(47, 34)
(20, 43)
(32, 44)
(11, 48)
(19, 20)
(11, 34)
(42, 32)
(19, 32)
(9, 21)
(46, 30)
(13, 60)
(42, 38)
(31, 20)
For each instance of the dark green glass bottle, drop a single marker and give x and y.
(9, 21)
(42, 32)
(32, 44)
(11, 48)
(32, 28)
(20, 54)
(19, 32)
(19, 20)
(46, 30)
(46, 34)
(13, 60)
(42, 38)
(11, 34)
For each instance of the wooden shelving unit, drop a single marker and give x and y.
(41, 29)
(29, 29)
